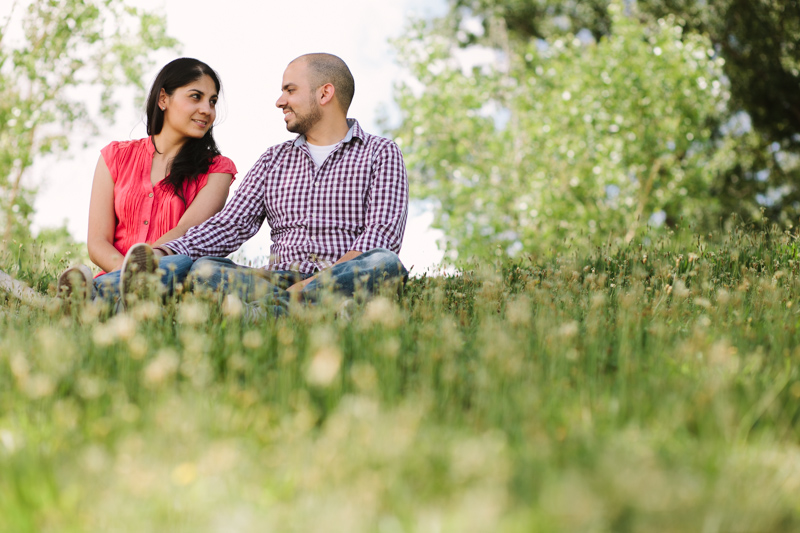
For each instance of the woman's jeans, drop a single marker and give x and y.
(173, 270)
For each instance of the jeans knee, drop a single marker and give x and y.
(177, 264)
(387, 260)
(203, 267)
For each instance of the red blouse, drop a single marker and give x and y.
(144, 212)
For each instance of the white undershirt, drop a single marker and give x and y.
(320, 153)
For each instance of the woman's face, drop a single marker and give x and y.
(190, 110)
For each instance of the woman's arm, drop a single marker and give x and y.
(208, 202)
(102, 220)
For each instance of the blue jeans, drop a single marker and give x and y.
(364, 274)
(173, 269)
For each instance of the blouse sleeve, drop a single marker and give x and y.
(223, 165)
(109, 153)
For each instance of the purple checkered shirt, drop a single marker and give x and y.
(357, 200)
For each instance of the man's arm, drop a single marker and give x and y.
(239, 220)
(387, 201)
(387, 208)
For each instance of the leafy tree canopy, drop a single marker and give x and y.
(758, 165)
(66, 50)
(560, 141)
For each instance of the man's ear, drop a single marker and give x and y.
(326, 94)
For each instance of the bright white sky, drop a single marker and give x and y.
(249, 44)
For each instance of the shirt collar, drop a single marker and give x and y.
(355, 131)
(150, 146)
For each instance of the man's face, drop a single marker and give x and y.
(301, 111)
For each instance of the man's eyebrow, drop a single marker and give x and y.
(290, 84)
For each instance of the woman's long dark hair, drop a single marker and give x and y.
(195, 156)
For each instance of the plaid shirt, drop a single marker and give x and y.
(357, 200)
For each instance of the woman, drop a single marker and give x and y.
(153, 190)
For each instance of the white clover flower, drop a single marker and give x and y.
(123, 326)
(162, 368)
(568, 329)
(192, 313)
(383, 311)
(232, 306)
(38, 386)
(103, 335)
(324, 366)
(146, 310)
(252, 339)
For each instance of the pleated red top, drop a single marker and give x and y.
(144, 212)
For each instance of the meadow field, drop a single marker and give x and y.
(648, 387)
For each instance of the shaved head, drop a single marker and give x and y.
(327, 68)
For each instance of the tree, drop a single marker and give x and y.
(758, 161)
(60, 73)
(559, 141)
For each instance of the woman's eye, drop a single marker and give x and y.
(195, 96)
(213, 103)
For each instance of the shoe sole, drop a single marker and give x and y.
(138, 263)
(75, 280)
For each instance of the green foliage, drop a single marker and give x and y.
(643, 387)
(540, 19)
(562, 142)
(760, 41)
(758, 162)
(67, 49)
(38, 262)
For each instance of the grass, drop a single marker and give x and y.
(653, 387)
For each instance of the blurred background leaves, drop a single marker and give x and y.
(537, 125)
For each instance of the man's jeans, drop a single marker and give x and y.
(174, 269)
(363, 275)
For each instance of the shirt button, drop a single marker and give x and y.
(150, 195)
(145, 222)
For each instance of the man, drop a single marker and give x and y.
(335, 198)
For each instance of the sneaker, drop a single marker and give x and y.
(346, 309)
(139, 263)
(76, 280)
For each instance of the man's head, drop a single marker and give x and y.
(310, 83)
(327, 68)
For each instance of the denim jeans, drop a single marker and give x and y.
(173, 269)
(362, 275)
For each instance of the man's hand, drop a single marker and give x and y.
(161, 251)
(300, 285)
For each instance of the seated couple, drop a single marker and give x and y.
(335, 197)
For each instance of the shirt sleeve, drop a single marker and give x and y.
(109, 153)
(223, 165)
(240, 219)
(387, 202)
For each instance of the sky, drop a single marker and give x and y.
(249, 44)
